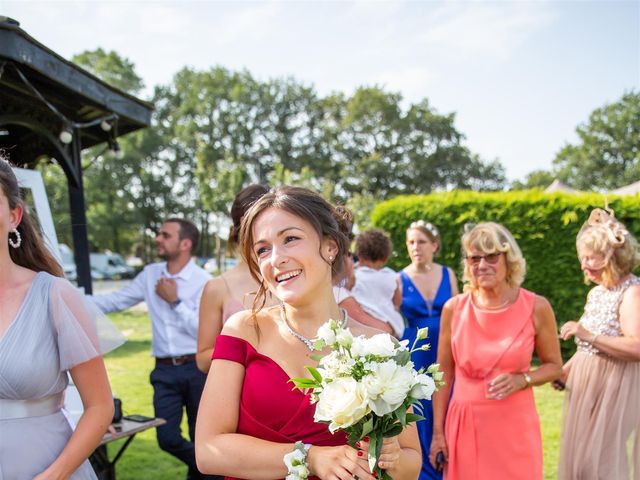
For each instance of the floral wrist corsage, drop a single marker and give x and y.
(296, 462)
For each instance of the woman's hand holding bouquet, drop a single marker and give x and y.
(367, 387)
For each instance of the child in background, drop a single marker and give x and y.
(376, 287)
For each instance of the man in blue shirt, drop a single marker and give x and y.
(172, 290)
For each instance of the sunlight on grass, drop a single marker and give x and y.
(129, 368)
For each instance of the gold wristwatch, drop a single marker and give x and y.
(527, 378)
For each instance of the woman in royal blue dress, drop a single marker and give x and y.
(426, 286)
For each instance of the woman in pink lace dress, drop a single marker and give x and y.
(601, 430)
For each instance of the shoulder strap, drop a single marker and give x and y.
(231, 348)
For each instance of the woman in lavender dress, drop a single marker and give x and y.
(46, 330)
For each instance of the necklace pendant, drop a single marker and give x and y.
(308, 342)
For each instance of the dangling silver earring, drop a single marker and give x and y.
(18, 240)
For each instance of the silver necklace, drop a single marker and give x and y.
(308, 342)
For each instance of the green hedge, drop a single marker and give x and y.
(545, 226)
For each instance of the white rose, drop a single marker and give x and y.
(423, 387)
(382, 345)
(326, 333)
(396, 381)
(343, 402)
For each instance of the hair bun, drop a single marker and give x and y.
(344, 217)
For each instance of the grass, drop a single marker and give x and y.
(129, 368)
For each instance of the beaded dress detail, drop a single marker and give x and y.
(601, 312)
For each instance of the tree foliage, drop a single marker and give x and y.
(214, 131)
(607, 155)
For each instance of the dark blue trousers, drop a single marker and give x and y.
(177, 388)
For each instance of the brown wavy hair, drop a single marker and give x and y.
(32, 253)
(325, 219)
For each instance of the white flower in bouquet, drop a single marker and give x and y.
(382, 345)
(344, 338)
(423, 387)
(334, 366)
(390, 384)
(327, 334)
(366, 386)
(342, 403)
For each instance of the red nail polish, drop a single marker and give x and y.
(358, 444)
(366, 439)
(360, 453)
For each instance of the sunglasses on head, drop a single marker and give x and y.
(490, 258)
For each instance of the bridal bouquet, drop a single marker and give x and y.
(365, 386)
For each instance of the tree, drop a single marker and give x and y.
(535, 179)
(111, 68)
(608, 154)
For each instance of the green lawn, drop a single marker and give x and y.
(129, 369)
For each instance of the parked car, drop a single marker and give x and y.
(68, 263)
(110, 266)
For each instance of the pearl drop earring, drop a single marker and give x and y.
(18, 241)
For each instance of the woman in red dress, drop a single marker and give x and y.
(250, 418)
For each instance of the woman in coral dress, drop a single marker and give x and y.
(601, 429)
(487, 338)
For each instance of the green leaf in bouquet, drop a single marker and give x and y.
(394, 430)
(319, 344)
(315, 374)
(304, 383)
(354, 434)
(401, 415)
(412, 417)
(374, 453)
(402, 357)
(316, 357)
(367, 427)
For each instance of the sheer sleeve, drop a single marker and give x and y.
(231, 348)
(83, 331)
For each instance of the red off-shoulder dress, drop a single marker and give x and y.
(269, 408)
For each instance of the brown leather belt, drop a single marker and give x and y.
(175, 361)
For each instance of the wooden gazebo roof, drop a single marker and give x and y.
(41, 94)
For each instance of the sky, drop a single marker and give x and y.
(520, 76)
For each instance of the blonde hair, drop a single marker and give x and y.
(602, 233)
(491, 237)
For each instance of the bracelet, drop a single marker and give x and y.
(296, 462)
(527, 378)
(593, 338)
